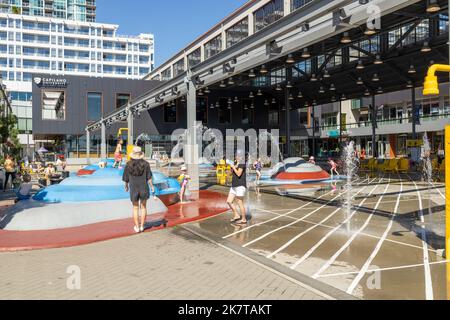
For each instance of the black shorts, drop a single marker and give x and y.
(139, 195)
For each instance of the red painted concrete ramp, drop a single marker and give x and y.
(210, 204)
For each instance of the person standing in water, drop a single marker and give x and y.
(118, 154)
(238, 189)
(333, 169)
(137, 177)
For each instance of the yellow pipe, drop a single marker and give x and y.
(431, 86)
(447, 202)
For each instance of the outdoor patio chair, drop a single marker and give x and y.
(403, 166)
(391, 166)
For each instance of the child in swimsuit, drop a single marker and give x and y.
(183, 179)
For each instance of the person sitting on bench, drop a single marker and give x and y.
(24, 191)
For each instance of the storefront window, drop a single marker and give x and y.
(53, 105)
(202, 109)
(122, 100)
(248, 114)
(170, 113)
(94, 106)
(223, 112)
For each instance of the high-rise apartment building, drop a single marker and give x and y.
(41, 45)
(77, 10)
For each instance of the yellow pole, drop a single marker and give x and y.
(447, 204)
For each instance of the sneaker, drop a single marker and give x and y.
(141, 229)
(136, 229)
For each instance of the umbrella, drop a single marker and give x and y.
(43, 150)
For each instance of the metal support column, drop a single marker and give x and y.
(103, 154)
(130, 120)
(340, 124)
(88, 146)
(374, 128)
(288, 113)
(314, 131)
(414, 113)
(191, 152)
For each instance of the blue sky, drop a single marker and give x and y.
(175, 23)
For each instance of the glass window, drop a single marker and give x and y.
(178, 67)
(248, 113)
(122, 100)
(53, 105)
(224, 111)
(170, 113)
(94, 106)
(274, 115)
(166, 74)
(299, 3)
(202, 109)
(194, 58)
(237, 33)
(271, 12)
(213, 47)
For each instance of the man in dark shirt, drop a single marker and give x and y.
(238, 189)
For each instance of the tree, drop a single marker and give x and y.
(9, 140)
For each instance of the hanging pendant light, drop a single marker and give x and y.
(263, 70)
(266, 102)
(313, 77)
(231, 81)
(245, 107)
(222, 84)
(207, 90)
(300, 95)
(291, 97)
(375, 78)
(278, 88)
(326, 74)
(380, 90)
(378, 60)
(290, 59)
(332, 87)
(259, 93)
(251, 96)
(410, 84)
(426, 47)
(367, 93)
(274, 101)
(252, 74)
(346, 38)
(343, 97)
(360, 65)
(236, 100)
(252, 106)
(321, 90)
(212, 106)
(306, 54)
(360, 81)
(412, 69)
(333, 99)
(433, 6)
(288, 85)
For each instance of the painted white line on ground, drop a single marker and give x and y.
(283, 215)
(362, 234)
(331, 275)
(276, 218)
(290, 242)
(353, 237)
(426, 258)
(438, 190)
(366, 266)
(318, 244)
(292, 223)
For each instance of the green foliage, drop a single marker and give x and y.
(9, 140)
(16, 10)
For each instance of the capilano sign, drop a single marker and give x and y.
(51, 82)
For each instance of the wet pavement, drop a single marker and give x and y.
(387, 246)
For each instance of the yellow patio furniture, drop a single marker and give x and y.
(391, 166)
(403, 166)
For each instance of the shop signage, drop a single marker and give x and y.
(51, 82)
(414, 143)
